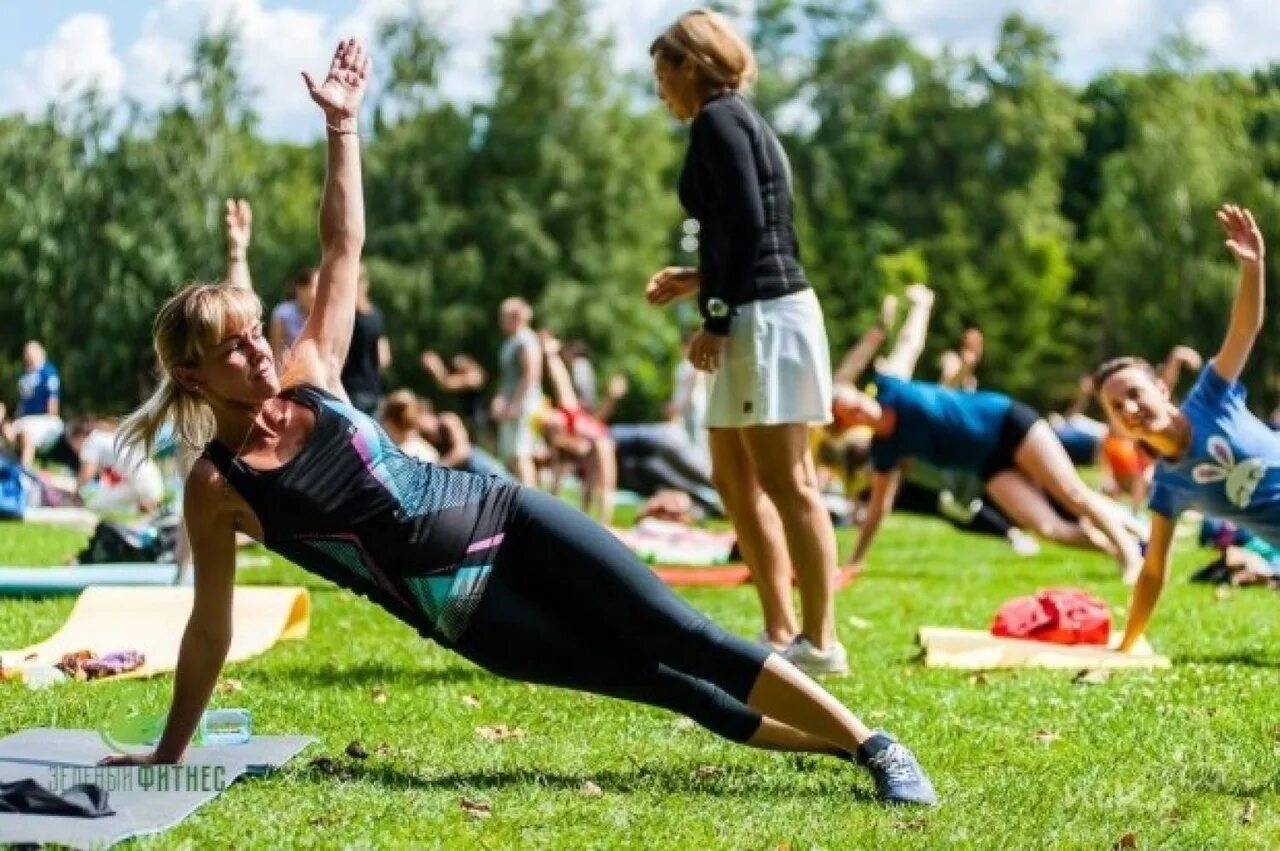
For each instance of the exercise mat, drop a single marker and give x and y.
(978, 650)
(72, 579)
(109, 619)
(144, 800)
(724, 575)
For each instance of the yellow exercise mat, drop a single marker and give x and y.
(109, 619)
(977, 650)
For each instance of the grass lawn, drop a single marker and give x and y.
(1185, 758)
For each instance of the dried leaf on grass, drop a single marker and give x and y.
(1095, 677)
(500, 733)
(474, 808)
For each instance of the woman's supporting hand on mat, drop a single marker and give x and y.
(124, 760)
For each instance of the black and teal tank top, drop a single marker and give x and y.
(416, 538)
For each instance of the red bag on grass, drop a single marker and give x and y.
(1056, 615)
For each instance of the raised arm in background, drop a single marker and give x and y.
(238, 226)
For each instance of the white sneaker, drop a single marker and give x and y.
(1022, 543)
(815, 662)
(762, 638)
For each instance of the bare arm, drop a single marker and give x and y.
(1244, 241)
(238, 226)
(614, 391)
(384, 354)
(1155, 569)
(459, 441)
(1179, 357)
(557, 374)
(902, 360)
(858, 358)
(54, 406)
(322, 346)
(210, 523)
(884, 487)
(453, 382)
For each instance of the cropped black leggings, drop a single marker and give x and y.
(569, 605)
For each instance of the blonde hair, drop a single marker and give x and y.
(196, 319)
(709, 41)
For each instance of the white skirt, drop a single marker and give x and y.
(776, 366)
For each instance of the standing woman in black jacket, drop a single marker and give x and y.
(762, 334)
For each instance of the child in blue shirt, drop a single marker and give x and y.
(1213, 454)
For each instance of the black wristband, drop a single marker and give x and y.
(717, 325)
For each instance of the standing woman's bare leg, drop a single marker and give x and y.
(759, 530)
(784, 468)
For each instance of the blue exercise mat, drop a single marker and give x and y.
(47, 581)
(144, 802)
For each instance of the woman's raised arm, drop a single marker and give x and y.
(322, 346)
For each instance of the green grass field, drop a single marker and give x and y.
(1185, 758)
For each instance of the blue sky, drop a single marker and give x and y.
(133, 47)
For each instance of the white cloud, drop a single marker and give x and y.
(1237, 32)
(280, 41)
(79, 56)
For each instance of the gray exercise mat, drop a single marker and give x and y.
(58, 759)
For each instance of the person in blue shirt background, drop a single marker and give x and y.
(1213, 454)
(38, 424)
(38, 387)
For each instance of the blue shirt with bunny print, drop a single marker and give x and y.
(1232, 468)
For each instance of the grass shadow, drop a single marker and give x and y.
(669, 779)
(1248, 660)
(376, 673)
(1237, 788)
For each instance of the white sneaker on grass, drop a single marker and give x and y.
(814, 662)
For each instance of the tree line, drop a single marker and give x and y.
(1068, 222)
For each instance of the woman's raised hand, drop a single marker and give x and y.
(1244, 239)
(343, 89)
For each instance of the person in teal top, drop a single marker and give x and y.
(953, 429)
(1212, 453)
(1004, 442)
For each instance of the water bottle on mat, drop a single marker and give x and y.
(224, 727)
(136, 733)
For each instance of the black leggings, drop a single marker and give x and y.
(568, 605)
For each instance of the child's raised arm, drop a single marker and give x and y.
(1244, 241)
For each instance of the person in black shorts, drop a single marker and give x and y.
(1002, 440)
(506, 576)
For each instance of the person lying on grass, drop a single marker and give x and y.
(1213, 455)
(510, 578)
